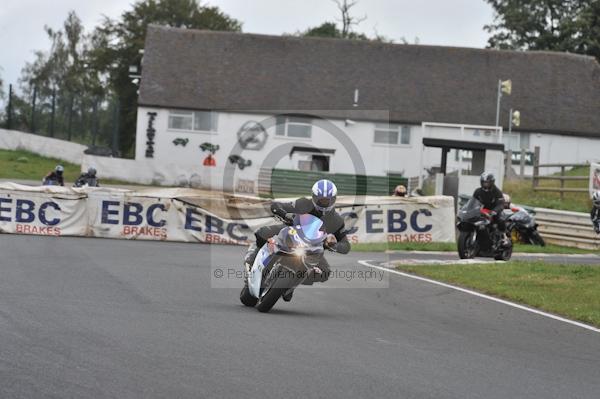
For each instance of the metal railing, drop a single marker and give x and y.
(569, 229)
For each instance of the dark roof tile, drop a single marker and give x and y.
(555, 92)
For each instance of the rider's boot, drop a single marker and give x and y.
(251, 254)
(288, 295)
(506, 242)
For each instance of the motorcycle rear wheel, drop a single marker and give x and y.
(505, 254)
(246, 298)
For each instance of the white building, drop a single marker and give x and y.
(347, 106)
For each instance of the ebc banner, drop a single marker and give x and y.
(42, 214)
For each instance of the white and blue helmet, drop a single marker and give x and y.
(324, 194)
(595, 198)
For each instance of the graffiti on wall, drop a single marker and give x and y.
(252, 136)
(239, 161)
(211, 148)
(181, 142)
(150, 134)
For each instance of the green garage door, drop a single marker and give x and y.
(288, 183)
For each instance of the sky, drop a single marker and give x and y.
(437, 22)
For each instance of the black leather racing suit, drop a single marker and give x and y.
(595, 216)
(492, 199)
(56, 177)
(333, 223)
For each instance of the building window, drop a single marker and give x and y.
(391, 134)
(200, 121)
(516, 141)
(524, 141)
(293, 126)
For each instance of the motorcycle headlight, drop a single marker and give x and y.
(299, 251)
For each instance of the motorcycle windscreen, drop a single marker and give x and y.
(472, 204)
(470, 210)
(521, 217)
(311, 226)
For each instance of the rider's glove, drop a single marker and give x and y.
(330, 241)
(289, 217)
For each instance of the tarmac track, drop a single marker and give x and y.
(96, 318)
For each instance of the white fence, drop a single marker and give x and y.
(46, 146)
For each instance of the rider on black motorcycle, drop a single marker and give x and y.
(88, 178)
(492, 199)
(595, 213)
(55, 178)
(324, 194)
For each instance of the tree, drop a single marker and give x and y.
(557, 25)
(348, 21)
(1, 97)
(330, 29)
(117, 45)
(62, 71)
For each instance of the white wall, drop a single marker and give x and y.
(155, 172)
(46, 146)
(378, 159)
(561, 149)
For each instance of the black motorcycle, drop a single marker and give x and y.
(522, 228)
(83, 181)
(478, 235)
(287, 260)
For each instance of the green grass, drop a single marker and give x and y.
(550, 249)
(26, 165)
(569, 290)
(451, 247)
(522, 193)
(404, 246)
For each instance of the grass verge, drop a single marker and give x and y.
(451, 247)
(568, 290)
(25, 165)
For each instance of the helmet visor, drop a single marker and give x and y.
(323, 203)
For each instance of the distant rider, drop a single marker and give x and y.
(492, 199)
(400, 191)
(89, 178)
(595, 213)
(324, 194)
(55, 178)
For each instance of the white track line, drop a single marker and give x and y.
(491, 298)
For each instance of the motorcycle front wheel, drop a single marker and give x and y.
(467, 245)
(536, 239)
(268, 300)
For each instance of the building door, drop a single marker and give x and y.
(320, 163)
